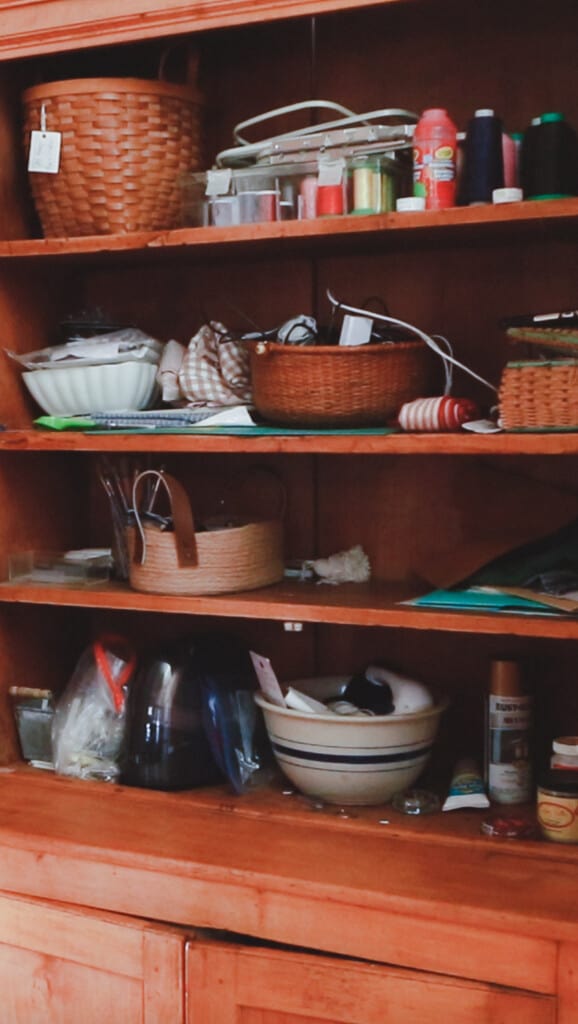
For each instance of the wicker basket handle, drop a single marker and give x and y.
(191, 65)
(182, 515)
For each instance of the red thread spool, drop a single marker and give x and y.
(329, 200)
(437, 414)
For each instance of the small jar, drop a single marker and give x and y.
(565, 753)
(558, 806)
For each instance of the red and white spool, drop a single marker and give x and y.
(432, 415)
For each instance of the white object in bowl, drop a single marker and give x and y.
(79, 390)
(349, 760)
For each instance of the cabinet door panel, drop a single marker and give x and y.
(245, 985)
(62, 965)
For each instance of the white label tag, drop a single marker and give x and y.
(218, 182)
(267, 679)
(44, 154)
(331, 172)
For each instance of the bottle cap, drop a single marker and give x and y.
(409, 203)
(484, 112)
(507, 195)
(505, 679)
(566, 745)
(551, 116)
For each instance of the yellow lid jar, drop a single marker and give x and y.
(558, 806)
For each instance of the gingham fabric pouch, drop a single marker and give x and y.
(215, 369)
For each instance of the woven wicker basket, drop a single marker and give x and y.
(218, 561)
(126, 143)
(539, 395)
(338, 384)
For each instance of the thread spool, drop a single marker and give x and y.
(432, 415)
(510, 161)
(329, 200)
(549, 158)
(483, 168)
(367, 188)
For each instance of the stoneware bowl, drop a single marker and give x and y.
(345, 760)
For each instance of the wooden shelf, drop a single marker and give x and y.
(154, 854)
(38, 26)
(514, 220)
(347, 605)
(464, 443)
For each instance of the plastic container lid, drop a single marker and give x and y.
(507, 195)
(566, 745)
(410, 203)
(484, 112)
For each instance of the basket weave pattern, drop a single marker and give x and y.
(333, 384)
(539, 395)
(125, 145)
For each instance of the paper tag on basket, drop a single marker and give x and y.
(44, 153)
(267, 679)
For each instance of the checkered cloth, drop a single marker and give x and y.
(215, 372)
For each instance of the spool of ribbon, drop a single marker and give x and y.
(432, 415)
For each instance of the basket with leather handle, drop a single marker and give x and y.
(126, 143)
(220, 559)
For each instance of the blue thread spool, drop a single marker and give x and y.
(483, 168)
(549, 158)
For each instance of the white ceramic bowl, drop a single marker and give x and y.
(77, 390)
(345, 760)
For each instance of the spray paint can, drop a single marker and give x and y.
(508, 736)
(434, 159)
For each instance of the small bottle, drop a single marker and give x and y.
(434, 159)
(508, 736)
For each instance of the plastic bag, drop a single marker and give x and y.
(89, 719)
(227, 678)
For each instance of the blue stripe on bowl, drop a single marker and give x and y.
(400, 757)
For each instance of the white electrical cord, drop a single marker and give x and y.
(429, 341)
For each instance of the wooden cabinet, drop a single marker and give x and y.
(259, 986)
(456, 925)
(59, 963)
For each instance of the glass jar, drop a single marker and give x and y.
(558, 806)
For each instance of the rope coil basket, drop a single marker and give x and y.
(316, 385)
(539, 395)
(244, 556)
(126, 143)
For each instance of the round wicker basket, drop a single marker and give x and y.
(126, 143)
(317, 385)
